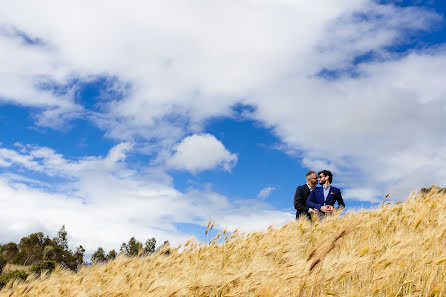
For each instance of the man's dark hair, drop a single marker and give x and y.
(327, 173)
(310, 173)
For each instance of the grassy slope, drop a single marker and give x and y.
(396, 250)
(12, 267)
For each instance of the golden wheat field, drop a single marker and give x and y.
(396, 250)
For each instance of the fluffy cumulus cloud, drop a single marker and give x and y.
(174, 65)
(200, 152)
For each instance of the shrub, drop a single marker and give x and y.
(6, 277)
(19, 258)
(49, 253)
(10, 250)
(2, 262)
(48, 265)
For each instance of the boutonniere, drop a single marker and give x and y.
(332, 193)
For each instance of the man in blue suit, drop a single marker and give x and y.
(323, 198)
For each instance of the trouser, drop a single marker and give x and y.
(306, 214)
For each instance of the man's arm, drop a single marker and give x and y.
(311, 201)
(340, 200)
(299, 201)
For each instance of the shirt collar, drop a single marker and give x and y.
(309, 187)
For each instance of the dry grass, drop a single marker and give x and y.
(397, 250)
(12, 267)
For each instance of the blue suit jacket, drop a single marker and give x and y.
(316, 198)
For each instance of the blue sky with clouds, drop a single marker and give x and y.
(146, 119)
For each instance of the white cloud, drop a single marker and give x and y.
(265, 192)
(201, 152)
(251, 220)
(363, 194)
(28, 71)
(381, 130)
(184, 64)
(202, 64)
(102, 202)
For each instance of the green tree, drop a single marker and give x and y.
(98, 256)
(2, 262)
(49, 253)
(62, 237)
(19, 258)
(149, 247)
(59, 254)
(132, 248)
(10, 250)
(78, 255)
(36, 248)
(33, 246)
(111, 255)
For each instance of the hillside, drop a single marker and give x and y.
(396, 250)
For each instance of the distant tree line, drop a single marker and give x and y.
(41, 253)
(132, 248)
(36, 248)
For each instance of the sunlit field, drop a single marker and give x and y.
(396, 250)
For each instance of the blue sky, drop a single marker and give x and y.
(152, 123)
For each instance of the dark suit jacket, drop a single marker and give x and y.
(300, 201)
(316, 198)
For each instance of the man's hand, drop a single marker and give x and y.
(327, 208)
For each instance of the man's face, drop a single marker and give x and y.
(312, 179)
(322, 179)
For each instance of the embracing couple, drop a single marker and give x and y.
(320, 201)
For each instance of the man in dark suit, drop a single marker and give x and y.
(323, 198)
(301, 195)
